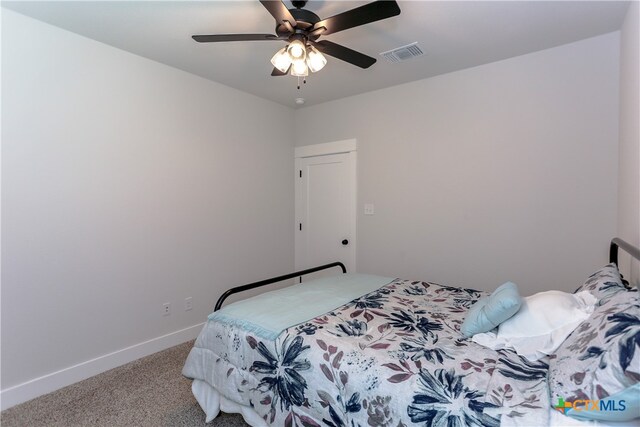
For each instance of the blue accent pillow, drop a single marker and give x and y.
(487, 313)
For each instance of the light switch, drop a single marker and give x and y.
(368, 209)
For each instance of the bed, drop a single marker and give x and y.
(389, 354)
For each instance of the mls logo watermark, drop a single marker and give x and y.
(590, 405)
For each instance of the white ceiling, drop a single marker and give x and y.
(454, 35)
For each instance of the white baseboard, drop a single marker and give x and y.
(47, 383)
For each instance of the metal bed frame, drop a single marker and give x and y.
(616, 243)
(265, 282)
(628, 247)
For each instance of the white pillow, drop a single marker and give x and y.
(541, 325)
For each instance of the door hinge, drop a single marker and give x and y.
(300, 226)
(300, 174)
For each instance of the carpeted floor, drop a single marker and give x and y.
(148, 392)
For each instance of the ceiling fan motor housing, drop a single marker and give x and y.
(305, 19)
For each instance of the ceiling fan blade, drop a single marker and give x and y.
(279, 11)
(235, 37)
(371, 12)
(277, 72)
(344, 53)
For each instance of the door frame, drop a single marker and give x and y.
(347, 146)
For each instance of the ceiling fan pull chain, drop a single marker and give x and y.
(298, 82)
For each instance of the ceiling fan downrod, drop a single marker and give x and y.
(299, 4)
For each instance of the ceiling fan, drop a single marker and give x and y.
(301, 29)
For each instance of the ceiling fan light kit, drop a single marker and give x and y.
(301, 28)
(299, 59)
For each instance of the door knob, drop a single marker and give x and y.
(345, 242)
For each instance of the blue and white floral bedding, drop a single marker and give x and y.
(394, 357)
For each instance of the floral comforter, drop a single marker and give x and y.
(393, 357)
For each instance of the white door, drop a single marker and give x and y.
(325, 210)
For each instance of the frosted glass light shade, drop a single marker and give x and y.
(281, 60)
(299, 68)
(315, 60)
(296, 50)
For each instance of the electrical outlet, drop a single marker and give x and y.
(188, 304)
(166, 309)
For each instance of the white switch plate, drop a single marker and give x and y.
(188, 304)
(368, 209)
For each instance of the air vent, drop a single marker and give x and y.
(403, 53)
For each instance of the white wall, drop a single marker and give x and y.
(506, 171)
(629, 174)
(126, 184)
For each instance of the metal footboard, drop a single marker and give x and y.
(265, 282)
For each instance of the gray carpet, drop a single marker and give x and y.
(148, 392)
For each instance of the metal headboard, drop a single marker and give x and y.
(616, 243)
